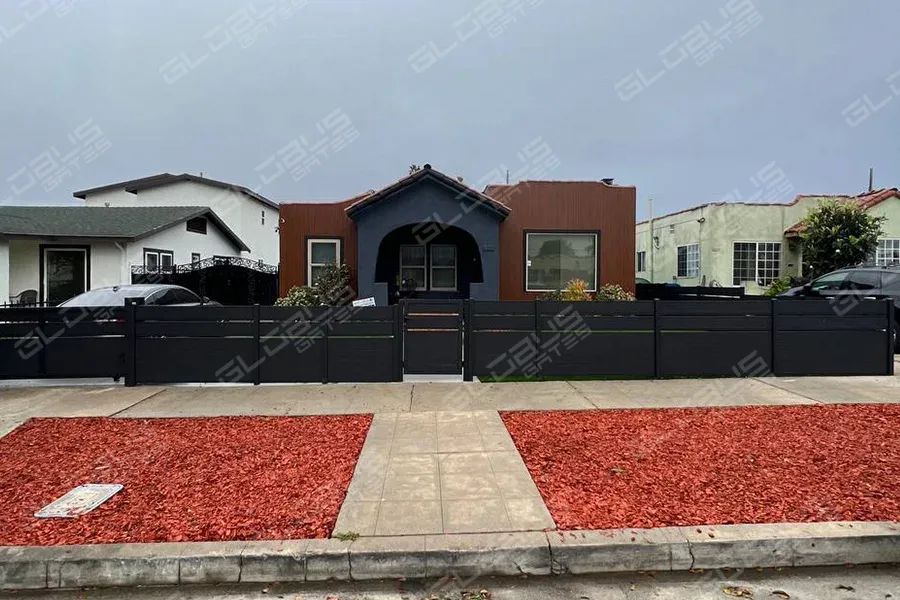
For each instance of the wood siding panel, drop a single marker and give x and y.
(569, 205)
(298, 222)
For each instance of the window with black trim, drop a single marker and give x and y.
(195, 258)
(319, 254)
(197, 225)
(262, 217)
(552, 260)
(158, 260)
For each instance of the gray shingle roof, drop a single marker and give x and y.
(125, 223)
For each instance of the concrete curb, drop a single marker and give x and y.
(462, 555)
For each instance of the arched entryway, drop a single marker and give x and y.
(432, 266)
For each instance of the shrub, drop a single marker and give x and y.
(554, 296)
(612, 292)
(331, 288)
(299, 295)
(576, 291)
(782, 284)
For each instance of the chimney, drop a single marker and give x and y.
(871, 179)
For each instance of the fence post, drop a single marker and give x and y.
(131, 340)
(256, 343)
(772, 329)
(325, 378)
(467, 342)
(398, 343)
(656, 339)
(889, 306)
(42, 354)
(537, 333)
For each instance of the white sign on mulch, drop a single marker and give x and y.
(80, 500)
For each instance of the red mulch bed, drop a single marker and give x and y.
(677, 467)
(229, 478)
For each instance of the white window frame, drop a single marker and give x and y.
(336, 242)
(757, 278)
(688, 272)
(881, 252)
(431, 267)
(424, 267)
(641, 266)
(528, 235)
(159, 254)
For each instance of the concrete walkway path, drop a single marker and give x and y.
(440, 472)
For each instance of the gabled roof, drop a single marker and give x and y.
(144, 183)
(866, 200)
(426, 171)
(119, 223)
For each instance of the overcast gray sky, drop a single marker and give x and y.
(800, 92)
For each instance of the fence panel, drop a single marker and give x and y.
(364, 345)
(194, 344)
(815, 336)
(62, 342)
(712, 338)
(595, 339)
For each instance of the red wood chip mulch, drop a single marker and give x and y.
(229, 478)
(677, 467)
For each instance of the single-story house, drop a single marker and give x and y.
(432, 232)
(61, 251)
(747, 244)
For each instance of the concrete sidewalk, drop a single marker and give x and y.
(20, 403)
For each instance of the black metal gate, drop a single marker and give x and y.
(432, 337)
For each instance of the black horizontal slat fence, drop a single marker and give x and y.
(657, 338)
(40, 343)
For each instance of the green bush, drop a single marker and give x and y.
(576, 291)
(299, 295)
(838, 234)
(612, 292)
(554, 296)
(782, 284)
(332, 288)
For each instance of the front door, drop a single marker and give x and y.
(432, 336)
(65, 273)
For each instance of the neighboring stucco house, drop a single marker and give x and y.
(510, 242)
(744, 244)
(62, 251)
(251, 216)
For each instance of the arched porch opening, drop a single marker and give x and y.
(423, 264)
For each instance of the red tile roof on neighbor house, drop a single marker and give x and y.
(866, 200)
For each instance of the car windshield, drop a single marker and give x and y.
(104, 297)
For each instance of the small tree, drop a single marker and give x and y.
(838, 234)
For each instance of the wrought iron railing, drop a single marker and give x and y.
(215, 261)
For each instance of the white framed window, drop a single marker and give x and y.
(443, 267)
(195, 258)
(759, 262)
(158, 260)
(887, 252)
(641, 261)
(554, 259)
(319, 254)
(413, 265)
(688, 260)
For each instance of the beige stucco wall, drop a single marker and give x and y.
(722, 226)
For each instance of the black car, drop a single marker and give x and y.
(871, 283)
(153, 295)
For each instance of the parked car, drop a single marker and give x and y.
(871, 283)
(153, 295)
